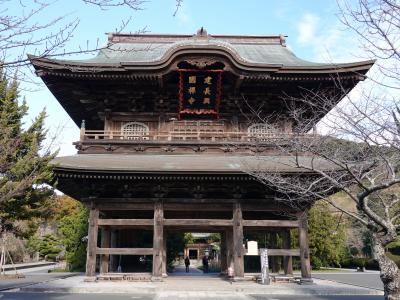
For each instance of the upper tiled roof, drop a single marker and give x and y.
(265, 51)
(155, 51)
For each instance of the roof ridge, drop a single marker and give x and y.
(120, 37)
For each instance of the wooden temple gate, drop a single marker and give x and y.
(232, 250)
(169, 131)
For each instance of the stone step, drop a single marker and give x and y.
(124, 277)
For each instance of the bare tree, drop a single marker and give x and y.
(26, 28)
(359, 155)
(358, 151)
(376, 23)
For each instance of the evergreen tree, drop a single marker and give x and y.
(49, 247)
(327, 237)
(24, 164)
(73, 228)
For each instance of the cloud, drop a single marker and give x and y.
(328, 41)
(183, 14)
(307, 28)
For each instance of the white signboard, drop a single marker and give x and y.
(252, 248)
(264, 266)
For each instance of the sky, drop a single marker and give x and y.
(312, 26)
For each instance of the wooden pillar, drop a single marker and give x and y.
(105, 243)
(238, 259)
(92, 242)
(304, 249)
(164, 256)
(274, 259)
(229, 249)
(223, 256)
(113, 244)
(158, 240)
(287, 260)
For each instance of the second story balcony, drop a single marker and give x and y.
(211, 135)
(180, 136)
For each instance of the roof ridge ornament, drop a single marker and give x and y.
(282, 40)
(202, 33)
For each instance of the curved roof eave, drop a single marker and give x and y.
(162, 163)
(167, 59)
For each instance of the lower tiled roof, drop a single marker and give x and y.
(190, 164)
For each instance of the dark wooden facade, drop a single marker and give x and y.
(144, 163)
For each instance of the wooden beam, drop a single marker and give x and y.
(125, 222)
(125, 251)
(271, 223)
(125, 206)
(197, 222)
(269, 207)
(197, 207)
(283, 252)
(222, 204)
(199, 229)
(151, 200)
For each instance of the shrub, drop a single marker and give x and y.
(394, 248)
(360, 262)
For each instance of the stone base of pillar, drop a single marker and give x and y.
(90, 279)
(238, 279)
(156, 278)
(306, 281)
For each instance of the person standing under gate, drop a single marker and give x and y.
(187, 264)
(205, 264)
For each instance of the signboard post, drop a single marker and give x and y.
(264, 266)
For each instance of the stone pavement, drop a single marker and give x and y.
(179, 270)
(369, 279)
(183, 287)
(19, 266)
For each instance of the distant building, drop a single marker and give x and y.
(200, 246)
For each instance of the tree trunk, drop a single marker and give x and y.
(390, 274)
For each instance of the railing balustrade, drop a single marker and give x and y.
(187, 135)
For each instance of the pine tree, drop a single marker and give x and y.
(24, 164)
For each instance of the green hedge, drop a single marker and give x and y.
(395, 258)
(368, 263)
(360, 262)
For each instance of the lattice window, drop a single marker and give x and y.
(197, 130)
(261, 131)
(135, 131)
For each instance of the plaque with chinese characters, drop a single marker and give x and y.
(199, 92)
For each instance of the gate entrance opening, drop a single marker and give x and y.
(193, 253)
